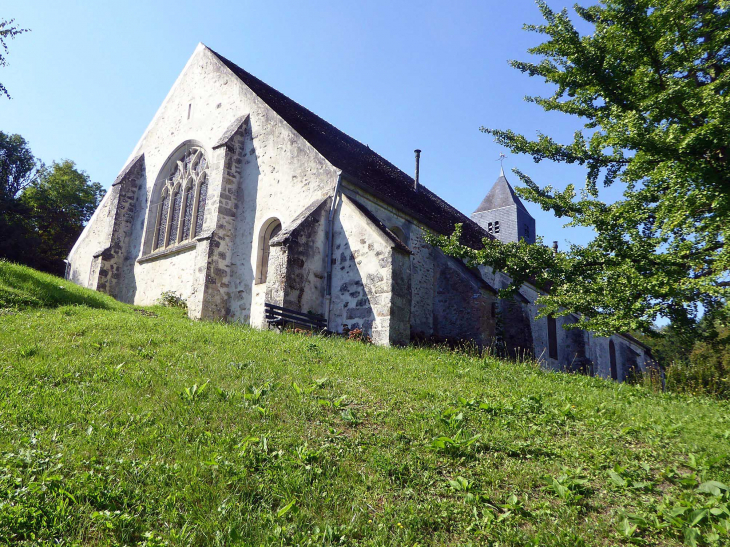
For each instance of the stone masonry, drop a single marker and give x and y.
(284, 208)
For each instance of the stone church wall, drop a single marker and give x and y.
(280, 176)
(629, 354)
(441, 290)
(92, 241)
(462, 305)
(370, 279)
(297, 265)
(420, 263)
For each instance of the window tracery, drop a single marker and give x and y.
(202, 197)
(175, 218)
(182, 202)
(162, 219)
(188, 214)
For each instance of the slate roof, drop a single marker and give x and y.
(361, 166)
(501, 195)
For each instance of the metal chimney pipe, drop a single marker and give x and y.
(418, 167)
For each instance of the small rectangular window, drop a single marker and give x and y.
(489, 228)
(552, 337)
(190, 108)
(496, 226)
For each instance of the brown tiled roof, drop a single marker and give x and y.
(362, 166)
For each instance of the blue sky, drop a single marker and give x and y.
(395, 75)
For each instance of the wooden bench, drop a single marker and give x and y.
(279, 317)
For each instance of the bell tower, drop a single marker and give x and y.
(503, 215)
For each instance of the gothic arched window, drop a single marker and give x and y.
(182, 200)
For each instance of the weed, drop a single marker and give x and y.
(455, 445)
(194, 392)
(569, 486)
(171, 299)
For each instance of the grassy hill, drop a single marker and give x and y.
(122, 425)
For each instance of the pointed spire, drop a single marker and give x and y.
(500, 195)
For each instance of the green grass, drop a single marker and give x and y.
(293, 440)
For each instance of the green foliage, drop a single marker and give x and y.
(698, 514)
(172, 299)
(59, 203)
(42, 209)
(8, 31)
(650, 84)
(569, 486)
(106, 440)
(18, 168)
(706, 369)
(697, 360)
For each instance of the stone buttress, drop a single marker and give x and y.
(211, 297)
(106, 265)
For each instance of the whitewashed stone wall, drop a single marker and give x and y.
(369, 286)
(281, 174)
(93, 240)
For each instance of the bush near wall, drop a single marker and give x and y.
(705, 371)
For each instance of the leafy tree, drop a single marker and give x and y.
(59, 202)
(18, 169)
(651, 87)
(8, 31)
(18, 166)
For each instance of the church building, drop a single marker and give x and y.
(236, 197)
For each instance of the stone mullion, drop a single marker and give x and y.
(183, 205)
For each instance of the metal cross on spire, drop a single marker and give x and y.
(500, 159)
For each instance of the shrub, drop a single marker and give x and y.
(707, 371)
(171, 299)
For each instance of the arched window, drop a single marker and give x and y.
(267, 233)
(182, 200)
(399, 233)
(612, 359)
